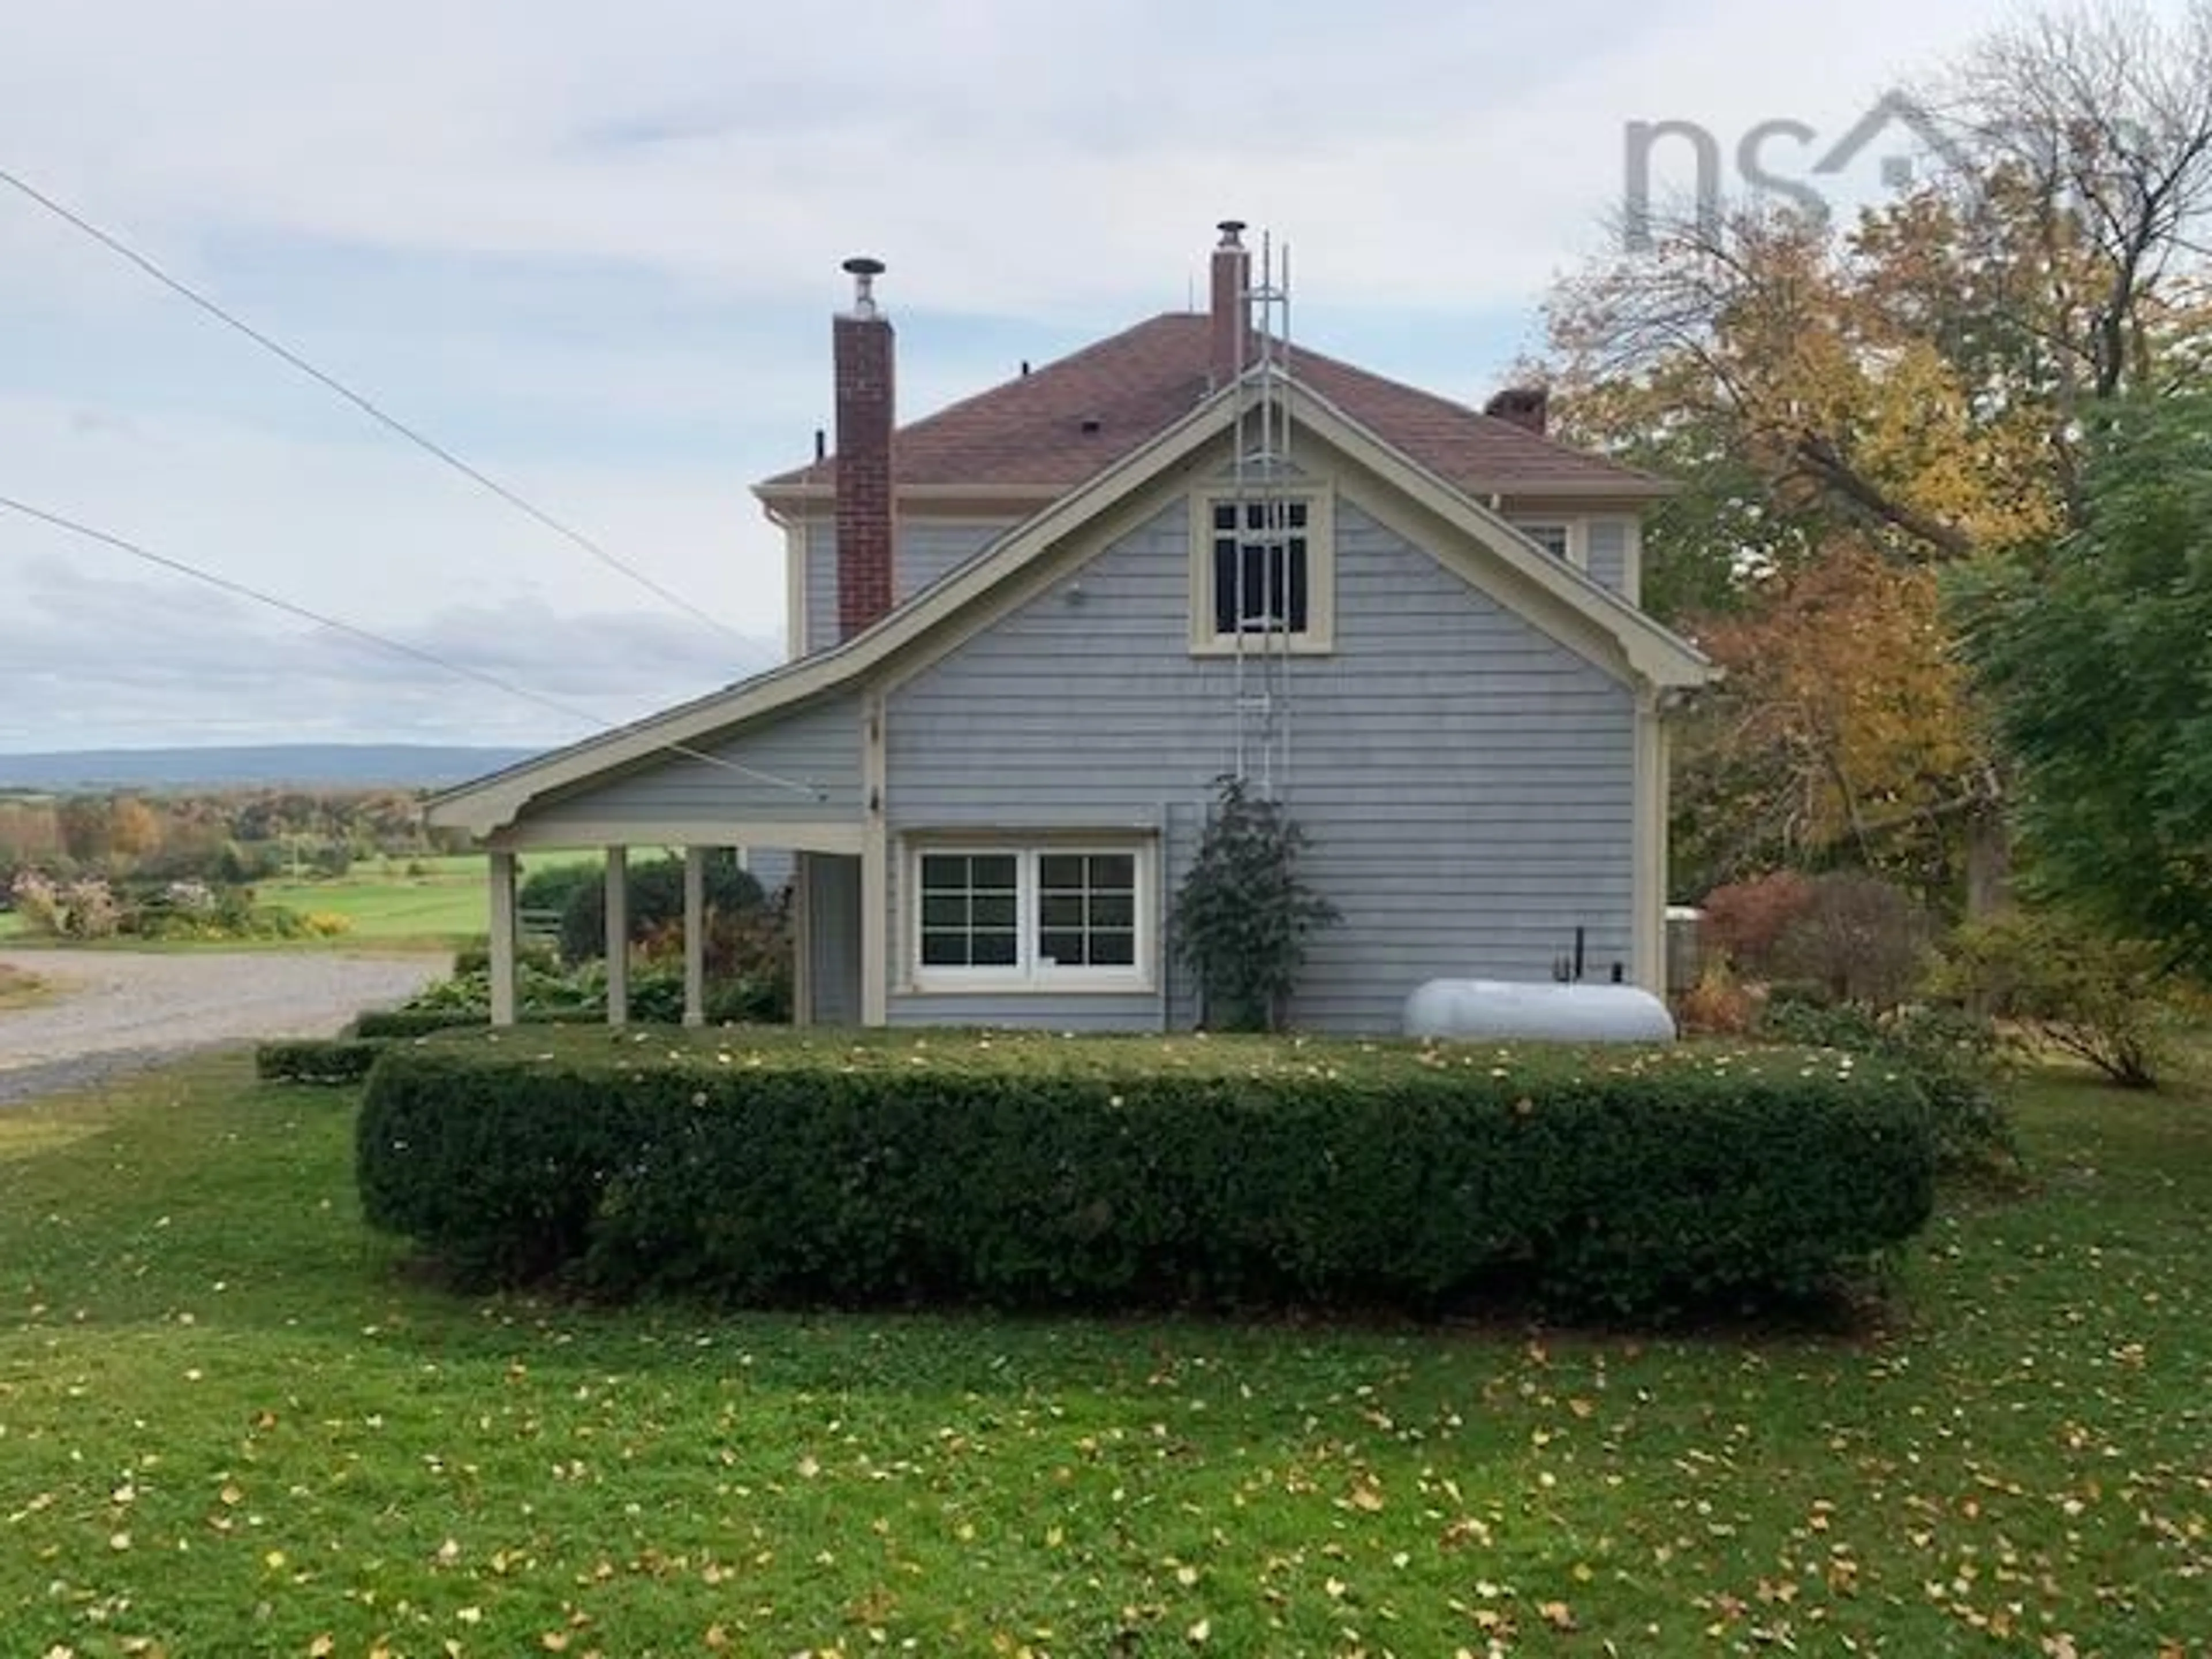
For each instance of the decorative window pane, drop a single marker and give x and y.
(1261, 572)
(970, 910)
(1087, 910)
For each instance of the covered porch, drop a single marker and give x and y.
(770, 772)
(828, 935)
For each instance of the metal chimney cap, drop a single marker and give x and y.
(864, 271)
(1230, 230)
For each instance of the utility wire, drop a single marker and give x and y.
(368, 406)
(123, 545)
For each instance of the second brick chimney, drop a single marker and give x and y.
(1230, 311)
(1528, 406)
(861, 349)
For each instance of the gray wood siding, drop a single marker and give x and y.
(771, 867)
(1609, 553)
(1466, 780)
(833, 937)
(818, 745)
(925, 552)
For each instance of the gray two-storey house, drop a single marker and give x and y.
(1032, 631)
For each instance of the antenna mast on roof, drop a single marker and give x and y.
(1269, 525)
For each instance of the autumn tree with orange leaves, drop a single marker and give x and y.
(1856, 408)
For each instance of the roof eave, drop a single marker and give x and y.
(783, 495)
(494, 802)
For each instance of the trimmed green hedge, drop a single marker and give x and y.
(1037, 1171)
(332, 1060)
(427, 1022)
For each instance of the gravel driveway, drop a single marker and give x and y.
(119, 1013)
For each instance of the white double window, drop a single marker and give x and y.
(1064, 917)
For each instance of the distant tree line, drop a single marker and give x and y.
(229, 835)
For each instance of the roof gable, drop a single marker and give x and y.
(937, 614)
(1069, 421)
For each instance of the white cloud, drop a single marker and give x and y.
(595, 247)
(124, 664)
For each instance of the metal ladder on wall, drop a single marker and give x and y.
(1261, 490)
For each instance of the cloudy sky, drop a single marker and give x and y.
(594, 248)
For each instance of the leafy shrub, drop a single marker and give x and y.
(748, 965)
(426, 1022)
(552, 887)
(475, 958)
(1859, 938)
(244, 861)
(655, 888)
(1953, 1055)
(336, 1059)
(1718, 1004)
(2065, 983)
(85, 907)
(1744, 920)
(1242, 914)
(1030, 1171)
(747, 957)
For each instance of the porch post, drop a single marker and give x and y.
(695, 935)
(617, 935)
(802, 940)
(502, 866)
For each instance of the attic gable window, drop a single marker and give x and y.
(1560, 537)
(1262, 572)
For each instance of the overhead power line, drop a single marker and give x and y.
(228, 585)
(361, 401)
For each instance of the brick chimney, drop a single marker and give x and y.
(1526, 406)
(861, 350)
(1233, 276)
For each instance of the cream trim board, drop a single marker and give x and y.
(875, 861)
(1648, 863)
(797, 548)
(1632, 559)
(1318, 636)
(815, 836)
(1029, 976)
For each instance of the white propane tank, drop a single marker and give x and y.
(1510, 1009)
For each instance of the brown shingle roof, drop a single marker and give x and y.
(1072, 419)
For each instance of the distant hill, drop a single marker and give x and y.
(316, 765)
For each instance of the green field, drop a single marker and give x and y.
(381, 902)
(230, 1424)
(444, 901)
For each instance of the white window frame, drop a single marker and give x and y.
(1027, 973)
(1318, 636)
(1576, 533)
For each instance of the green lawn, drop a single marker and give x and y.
(229, 1424)
(446, 900)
